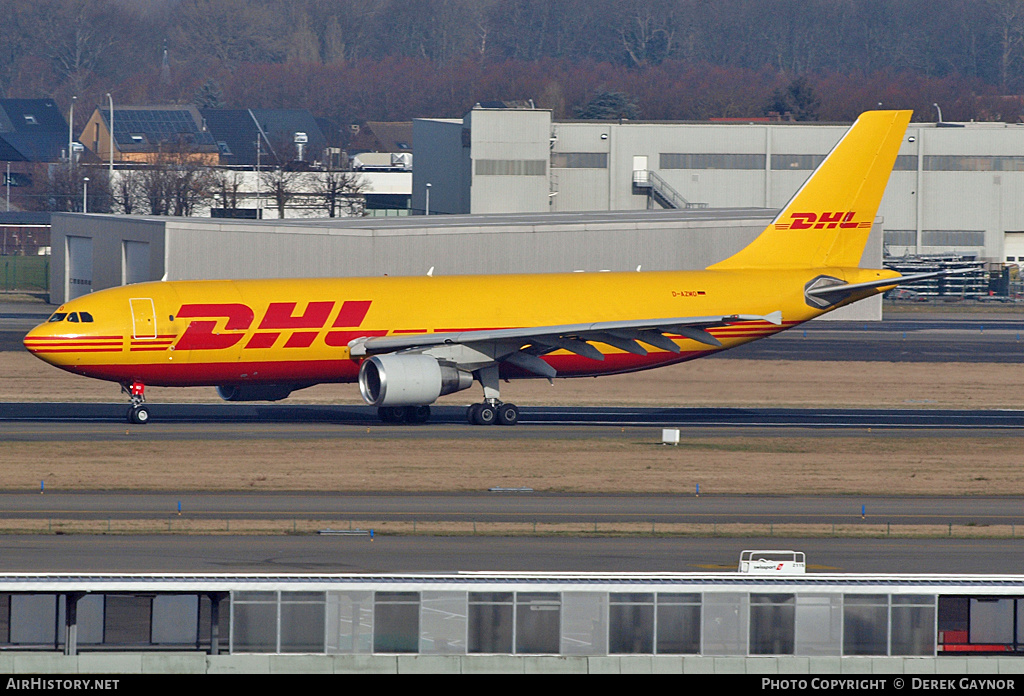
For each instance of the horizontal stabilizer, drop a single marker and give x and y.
(844, 289)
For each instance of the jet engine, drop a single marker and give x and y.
(409, 379)
(255, 392)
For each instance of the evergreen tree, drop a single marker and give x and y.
(608, 106)
(209, 95)
(798, 99)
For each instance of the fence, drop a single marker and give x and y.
(29, 273)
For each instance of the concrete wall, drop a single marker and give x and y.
(442, 162)
(193, 248)
(509, 136)
(108, 234)
(42, 664)
(230, 251)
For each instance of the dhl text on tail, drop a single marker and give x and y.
(407, 341)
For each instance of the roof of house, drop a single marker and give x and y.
(147, 128)
(236, 132)
(32, 130)
(383, 136)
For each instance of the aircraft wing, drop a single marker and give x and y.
(523, 346)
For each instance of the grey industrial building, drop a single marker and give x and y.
(956, 188)
(92, 252)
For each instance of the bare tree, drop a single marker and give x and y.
(154, 188)
(648, 33)
(176, 181)
(226, 186)
(281, 185)
(191, 186)
(341, 193)
(126, 190)
(1008, 25)
(58, 188)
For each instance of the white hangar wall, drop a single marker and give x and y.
(191, 248)
(956, 188)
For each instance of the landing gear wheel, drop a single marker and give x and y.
(508, 414)
(417, 414)
(138, 415)
(391, 414)
(482, 414)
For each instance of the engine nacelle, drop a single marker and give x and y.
(254, 392)
(409, 380)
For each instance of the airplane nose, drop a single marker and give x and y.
(36, 340)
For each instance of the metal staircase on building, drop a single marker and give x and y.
(660, 191)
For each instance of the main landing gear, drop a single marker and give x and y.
(404, 414)
(490, 413)
(492, 410)
(138, 412)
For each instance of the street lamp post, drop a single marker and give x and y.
(426, 210)
(259, 152)
(85, 194)
(111, 135)
(71, 135)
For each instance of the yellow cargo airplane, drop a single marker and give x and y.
(407, 341)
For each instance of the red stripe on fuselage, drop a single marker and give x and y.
(211, 374)
(75, 350)
(316, 371)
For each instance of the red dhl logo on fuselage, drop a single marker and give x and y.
(304, 328)
(279, 318)
(816, 221)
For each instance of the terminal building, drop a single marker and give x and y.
(494, 622)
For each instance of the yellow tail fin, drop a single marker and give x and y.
(828, 221)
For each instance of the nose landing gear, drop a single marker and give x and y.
(138, 413)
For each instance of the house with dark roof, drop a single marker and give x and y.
(142, 133)
(32, 130)
(284, 136)
(382, 136)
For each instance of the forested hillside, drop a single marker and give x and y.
(351, 60)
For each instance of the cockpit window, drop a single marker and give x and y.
(73, 317)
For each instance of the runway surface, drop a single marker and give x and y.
(519, 506)
(681, 417)
(334, 554)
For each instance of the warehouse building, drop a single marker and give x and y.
(92, 252)
(957, 188)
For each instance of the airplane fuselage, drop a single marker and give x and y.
(193, 333)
